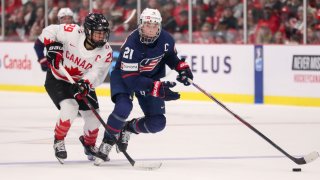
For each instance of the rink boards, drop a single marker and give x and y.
(269, 74)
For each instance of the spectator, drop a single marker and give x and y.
(84, 10)
(278, 38)
(11, 6)
(263, 35)
(155, 4)
(53, 16)
(237, 8)
(227, 21)
(62, 4)
(182, 6)
(15, 29)
(205, 36)
(29, 15)
(38, 25)
(219, 38)
(74, 5)
(182, 22)
(168, 21)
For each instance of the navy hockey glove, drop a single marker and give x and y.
(184, 72)
(55, 54)
(43, 63)
(80, 89)
(162, 90)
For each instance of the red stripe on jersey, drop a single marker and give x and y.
(113, 129)
(130, 74)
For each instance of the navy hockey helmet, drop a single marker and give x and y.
(96, 22)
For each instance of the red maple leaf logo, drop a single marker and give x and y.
(74, 71)
(47, 41)
(91, 138)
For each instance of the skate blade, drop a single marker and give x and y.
(98, 161)
(61, 161)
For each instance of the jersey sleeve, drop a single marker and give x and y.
(99, 71)
(53, 33)
(39, 47)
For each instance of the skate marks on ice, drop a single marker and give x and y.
(124, 162)
(232, 152)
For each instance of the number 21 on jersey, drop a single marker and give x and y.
(128, 53)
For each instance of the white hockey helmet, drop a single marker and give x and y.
(65, 12)
(149, 25)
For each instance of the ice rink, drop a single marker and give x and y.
(201, 142)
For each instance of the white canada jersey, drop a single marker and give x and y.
(92, 65)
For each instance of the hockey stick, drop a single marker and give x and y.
(302, 160)
(140, 165)
(133, 12)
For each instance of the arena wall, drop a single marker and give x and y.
(268, 74)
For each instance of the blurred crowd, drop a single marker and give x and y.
(213, 21)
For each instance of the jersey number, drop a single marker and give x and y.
(109, 58)
(69, 27)
(128, 53)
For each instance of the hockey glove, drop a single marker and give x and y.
(80, 89)
(55, 54)
(43, 63)
(162, 90)
(184, 72)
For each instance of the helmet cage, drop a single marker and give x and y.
(144, 38)
(151, 16)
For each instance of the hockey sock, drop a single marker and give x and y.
(61, 129)
(90, 138)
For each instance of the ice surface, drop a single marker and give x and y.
(201, 142)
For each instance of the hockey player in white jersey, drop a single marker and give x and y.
(86, 54)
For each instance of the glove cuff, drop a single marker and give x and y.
(182, 65)
(156, 89)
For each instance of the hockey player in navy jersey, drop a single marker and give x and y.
(138, 71)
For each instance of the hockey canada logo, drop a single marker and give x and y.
(150, 64)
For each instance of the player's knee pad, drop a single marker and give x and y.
(156, 123)
(69, 109)
(123, 106)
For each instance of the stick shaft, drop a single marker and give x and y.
(298, 161)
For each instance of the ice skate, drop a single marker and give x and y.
(103, 153)
(124, 137)
(123, 140)
(90, 151)
(60, 150)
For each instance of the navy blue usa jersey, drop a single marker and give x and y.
(141, 64)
